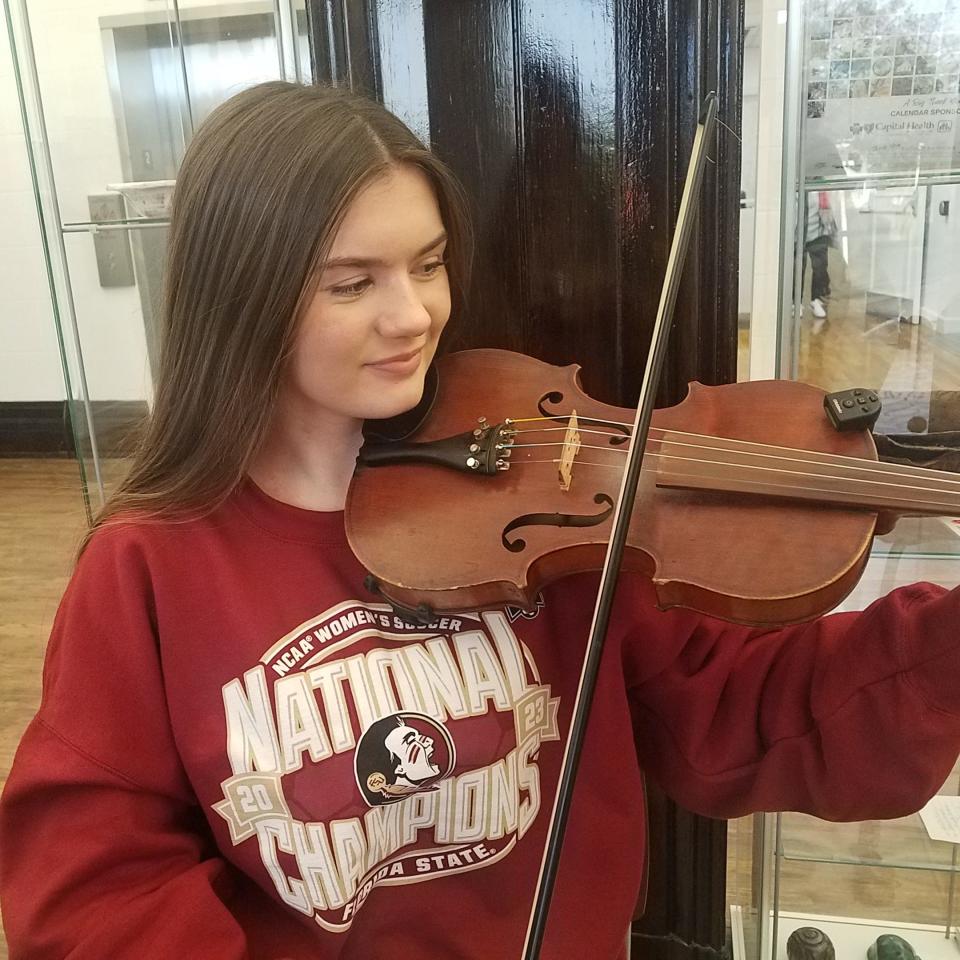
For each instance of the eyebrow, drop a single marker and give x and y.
(376, 261)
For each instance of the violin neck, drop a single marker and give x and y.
(737, 466)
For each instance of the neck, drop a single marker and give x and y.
(695, 462)
(308, 461)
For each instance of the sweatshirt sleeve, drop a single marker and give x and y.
(104, 851)
(852, 716)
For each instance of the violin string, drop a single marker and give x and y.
(787, 490)
(791, 473)
(556, 443)
(585, 463)
(612, 423)
(841, 461)
(580, 429)
(854, 463)
(838, 461)
(728, 441)
(790, 453)
(726, 463)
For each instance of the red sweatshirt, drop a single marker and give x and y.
(240, 754)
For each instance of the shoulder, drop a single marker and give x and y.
(134, 533)
(122, 541)
(133, 547)
(111, 571)
(129, 568)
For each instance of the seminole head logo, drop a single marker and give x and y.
(401, 754)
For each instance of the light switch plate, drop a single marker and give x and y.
(112, 247)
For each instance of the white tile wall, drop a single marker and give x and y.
(69, 48)
(765, 305)
(748, 166)
(29, 357)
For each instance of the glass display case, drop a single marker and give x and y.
(110, 93)
(869, 296)
(858, 881)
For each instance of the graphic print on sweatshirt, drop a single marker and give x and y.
(369, 752)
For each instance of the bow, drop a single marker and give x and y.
(621, 523)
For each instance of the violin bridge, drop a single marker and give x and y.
(571, 444)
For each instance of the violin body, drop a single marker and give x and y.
(455, 540)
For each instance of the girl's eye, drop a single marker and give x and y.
(351, 289)
(433, 267)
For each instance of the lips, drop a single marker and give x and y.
(400, 358)
(401, 366)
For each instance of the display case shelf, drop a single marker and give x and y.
(853, 936)
(857, 181)
(902, 843)
(920, 538)
(98, 226)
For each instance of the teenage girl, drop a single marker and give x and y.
(241, 753)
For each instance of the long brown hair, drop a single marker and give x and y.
(262, 189)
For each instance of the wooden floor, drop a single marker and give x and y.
(42, 517)
(41, 520)
(863, 343)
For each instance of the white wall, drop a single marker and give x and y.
(895, 247)
(765, 303)
(749, 127)
(69, 49)
(86, 156)
(941, 294)
(29, 359)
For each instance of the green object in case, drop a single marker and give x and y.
(891, 947)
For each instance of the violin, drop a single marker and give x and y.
(751, 506)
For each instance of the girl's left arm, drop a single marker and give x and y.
(852, 716)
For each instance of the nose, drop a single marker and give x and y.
(405, 314)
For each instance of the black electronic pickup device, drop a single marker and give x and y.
(854, 409)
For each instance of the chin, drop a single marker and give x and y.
(396, 399)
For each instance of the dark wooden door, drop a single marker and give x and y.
(570, 123)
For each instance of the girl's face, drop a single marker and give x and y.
(366, 339)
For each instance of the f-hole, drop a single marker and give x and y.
(554, 520)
